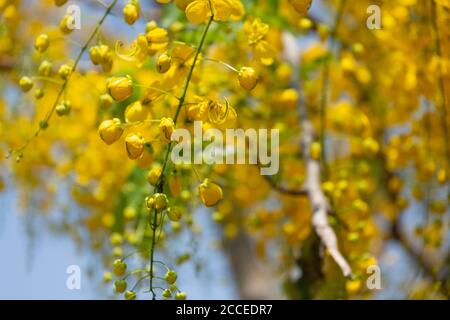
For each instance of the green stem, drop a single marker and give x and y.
(160, 183)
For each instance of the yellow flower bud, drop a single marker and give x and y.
(110, 130)
(130, 295)
(136, 112)
(60, 3)
(119, 267)
(150, 202)
(301, 6)
(105, 54)
(248, 78)
(66, 24)
(94, 54)
(42, 42)
(39, 94)
(315, 150)
(45, 68)
(120, 88)
(180, 296)
(131, 12)
(174, 214)
(120, 286)
(161, 201)
(64, 71)
(135, 145)
(166, 128)
(171, 276)
(210, 193)
(26, 84)
(163, 63)
(153, 175)
(105, 101)
(63, 108)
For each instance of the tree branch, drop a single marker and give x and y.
(319, 202)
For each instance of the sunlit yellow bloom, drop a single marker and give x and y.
(131, 12)
(42, 42)
(26, 84)
(256, 32)
(154, 175)
(248, 79)
(45, 68)
(161, 201)
(174, 214)
(158, 40)
(138, 51)
(135, 145)
(120, 88)
(163, 63)
(66, 24)
(136, 112)
(166, 128)
(200, 11)
(210, 193)
(64, 71)
(105, 101)
(110, 130)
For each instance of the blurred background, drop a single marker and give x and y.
(45, 208)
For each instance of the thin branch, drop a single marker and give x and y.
(319, 202)
(66, 81)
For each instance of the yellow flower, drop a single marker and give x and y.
(166, 128)
(136, 112)
(301, 6)
(174, 214)
(248, 78)
(182, 4)
(63, 108)
(161, 201)
(135, 145)
(26, 84)
(210, 193)
(45, 68)
(138, 52)
(42, 42)
(182, 60)
(64, 71)
(105, 101)
(120, 88)
(131, 12)
(66, 24)
(163, 63)
(158, 40)
(153, 175)
(110, 130)
(200, 11)
(256, 32)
